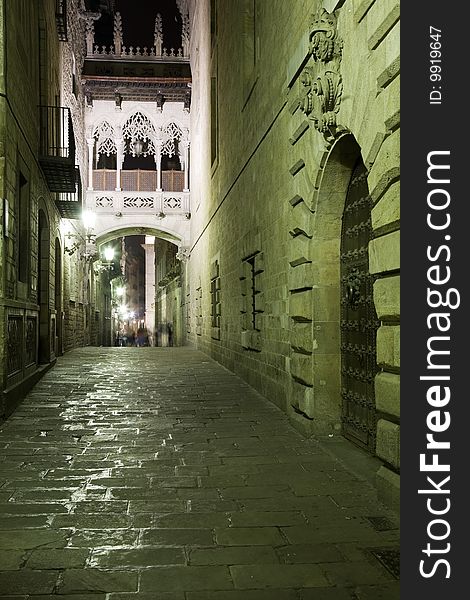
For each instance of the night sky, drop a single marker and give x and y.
(138, 23)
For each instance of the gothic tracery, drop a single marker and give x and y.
(172, 134)
(105, 138)
(139, 127)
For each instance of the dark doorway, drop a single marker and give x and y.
(358, 317)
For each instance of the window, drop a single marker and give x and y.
(199, 316)
(215, 300)
(249, 50)
(252, 305)
(213, 22)
(214, 120)
(74, 78)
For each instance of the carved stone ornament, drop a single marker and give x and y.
(117, 34)
(183, 253)
(321, 85)
(353, 289)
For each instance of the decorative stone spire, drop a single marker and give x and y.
(90, 18)
(185, 34)
(118, 38)
(158, 35)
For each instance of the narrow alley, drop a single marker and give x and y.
(155, 473)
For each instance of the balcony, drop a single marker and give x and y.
(61, 19)
(125, 203)
(57, 148)
(138, 180)
(69, 204)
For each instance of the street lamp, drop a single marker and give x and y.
(138, 147)
(108, 254)
(89, 220)
(107, 263)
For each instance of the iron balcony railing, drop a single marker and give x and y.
(61, 19)
(138, 180)
(69, 204)
(57, 148)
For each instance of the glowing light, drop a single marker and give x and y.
(88, 219)
(109, 253)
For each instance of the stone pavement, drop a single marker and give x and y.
(156, 474)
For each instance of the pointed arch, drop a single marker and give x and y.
(172, 134)
(139, 127)
(334, 288)
(104, 136)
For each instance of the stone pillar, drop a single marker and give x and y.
(185, 147)
(158, 162)
(91, 145)
(149, 248)
(119, 161)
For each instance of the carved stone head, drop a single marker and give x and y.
(324, 42)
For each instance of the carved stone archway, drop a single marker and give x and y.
(329, 290)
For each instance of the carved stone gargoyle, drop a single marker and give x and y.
(321, 85)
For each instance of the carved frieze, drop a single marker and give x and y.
(320, 82)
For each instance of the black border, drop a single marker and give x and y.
(429, 128)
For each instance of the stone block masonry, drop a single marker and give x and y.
(157, 471)
(276, 184)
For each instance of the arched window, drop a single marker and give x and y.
(105, 146)
(138, 128)
(172, 134)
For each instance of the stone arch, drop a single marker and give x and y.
(173, 133)
(132, 109)
(167, 246)
(105, 137)
(139, 125)
(113, 232)
(328, 205)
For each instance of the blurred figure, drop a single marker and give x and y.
(142, 337)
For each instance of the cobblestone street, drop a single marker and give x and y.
(156, 474)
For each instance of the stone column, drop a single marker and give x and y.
(149, 248)
(185, 147)
(119, 161)
(91, 145)
(158, 162)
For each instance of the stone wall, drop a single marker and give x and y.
(280, 164)
(168, 296)
(24, 241)
(46, 292)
